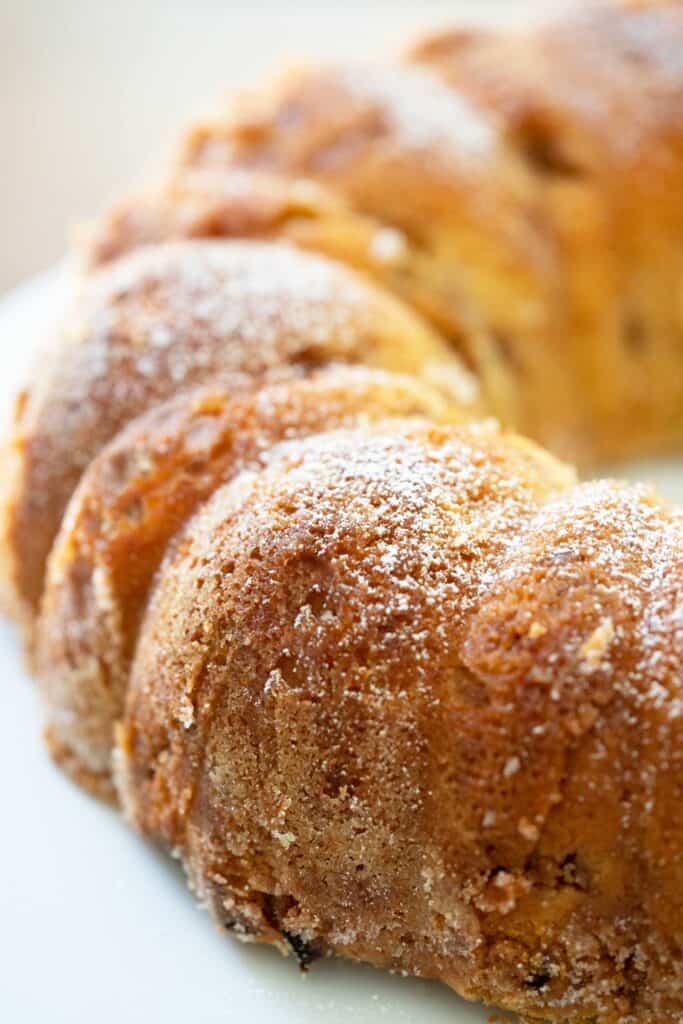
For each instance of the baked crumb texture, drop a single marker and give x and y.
(385, 678)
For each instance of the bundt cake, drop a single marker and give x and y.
(299, 595)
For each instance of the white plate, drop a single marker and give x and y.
(95, 927)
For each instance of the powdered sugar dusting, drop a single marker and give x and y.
(271, 296)
(435, 513)
(424, 113)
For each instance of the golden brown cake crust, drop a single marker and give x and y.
(406, 696)
(203, 203)
(404, 151)
(593, 101)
